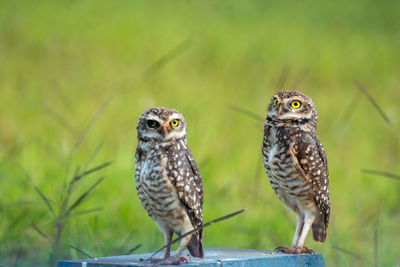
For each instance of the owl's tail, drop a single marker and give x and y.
(195, 246)
(319, 229)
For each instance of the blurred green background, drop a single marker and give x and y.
(76, 75)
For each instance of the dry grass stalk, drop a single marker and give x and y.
(167, 58)
(81, 251)
(133, 249)
(348, 252)
(373, 101)
(247, 113)
(382, 173)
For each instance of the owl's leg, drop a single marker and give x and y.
(300, 222)
(168, 237)
(168, 232)
(183, 244)
(299, 228)
(176, 259)
(308, 221)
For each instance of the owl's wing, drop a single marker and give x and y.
(138, 165)
(186, 177)
(312, 161)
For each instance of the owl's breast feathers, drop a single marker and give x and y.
(309, 158)
(181, 172)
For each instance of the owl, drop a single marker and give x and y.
(296, 165)
(168, 181)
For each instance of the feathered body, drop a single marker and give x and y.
(168, 181)
(296, 164)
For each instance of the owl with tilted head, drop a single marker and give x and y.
(296, 165)
(168, 180)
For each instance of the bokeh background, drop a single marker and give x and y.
(76, 75)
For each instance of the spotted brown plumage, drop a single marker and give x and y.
(296, 165)
(167, 178)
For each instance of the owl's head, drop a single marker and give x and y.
(161, 125)
(287, 106)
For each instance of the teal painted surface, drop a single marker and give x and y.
(214, 257)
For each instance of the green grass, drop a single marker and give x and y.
(60, 61)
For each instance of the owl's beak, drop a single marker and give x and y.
(164, 131)
(279, 110)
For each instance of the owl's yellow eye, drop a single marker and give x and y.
(152, 124)
(175, 123)
(275, 102)
(296, 104)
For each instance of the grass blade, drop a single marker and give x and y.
(165, 59)
(84, 195)
(348, 252)
(127, 239)
(282, 78)
(45, 201)
(247, 113)
(133, 249)
(373, 102)
(60, 120)
(96, 151)
(18, 256)
(11, 157)
(102, 166)
(17, 220)
(351, 106)
(40, 232)
(81, 251)
(84, 212)
(89, 126)
(20, 203)
(300, 78)
(381, 173)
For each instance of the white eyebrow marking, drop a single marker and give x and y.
(154, 118)
(175, 116)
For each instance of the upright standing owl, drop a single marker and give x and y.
(168, 181)
(296, 165)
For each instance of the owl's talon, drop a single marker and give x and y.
(284, 250)
(162, 261)
(295, 250)
(183, 259)
(165, 261)
(302, 250)
(156, 260)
